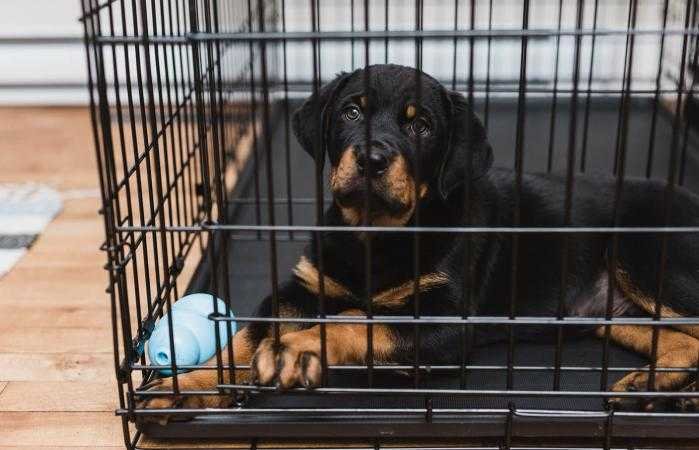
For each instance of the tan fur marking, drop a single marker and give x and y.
(364, 101)
(647, 303)
(398, 182)
(423, 191)
(345, 171)
(310, 278)
(345, 343)
(410, 112)
(397, 296)
(675, 349)
(351, 215)
(402, 187)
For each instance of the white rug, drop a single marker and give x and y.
(25, 210)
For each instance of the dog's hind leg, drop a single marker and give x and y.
(649, 304)
(675, 350)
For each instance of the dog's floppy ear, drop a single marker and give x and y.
(310, 130)
(469, 155)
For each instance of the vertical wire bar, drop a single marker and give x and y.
(367, 205)
(203, 72)
(463, 350)
(608, 430)
(139, 184)
(509, 423)
(621, 116)
(266, 136)
(222, 193)
(519, 160)
(486, 111)
(188, 92)
(586, 121)
(620, 172)
(668, 200)
(253, 120)
(287, 128)
(159, 181)
(181, 206)
(89, 31)
(216, 107)
(189, 212)
(455, 43)
(386, 28)
(320, 151)
(172, 188)
(570, 182)
(467, 303)
(656, 97)
(554, 99)
(683, 158)
(127, 187)
(418, 180)
(352, 32)
(146, 151)
(162, 157)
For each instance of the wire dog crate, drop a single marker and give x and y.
(205, 189)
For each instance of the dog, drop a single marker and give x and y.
(427, 163)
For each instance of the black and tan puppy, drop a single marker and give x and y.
(423, 145)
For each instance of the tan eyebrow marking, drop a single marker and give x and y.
(310, 279)
(364, 101)
(410, 111)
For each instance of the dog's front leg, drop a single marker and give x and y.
(203, 379)
(295, 360)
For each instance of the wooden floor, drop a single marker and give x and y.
(57, 385)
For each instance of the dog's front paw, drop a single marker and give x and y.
(186, 382)
(287, 364)
(638, 382)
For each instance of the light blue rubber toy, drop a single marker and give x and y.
(194, 333)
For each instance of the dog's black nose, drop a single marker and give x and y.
(377, 165)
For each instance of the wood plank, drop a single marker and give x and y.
(79, 367)
(32, 429)
(59, 396)
(53, 447)
(93, 316)
(29, 339)
(52, 283)
(59, 150)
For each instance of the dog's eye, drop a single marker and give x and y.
(420, 126)
(352, 113)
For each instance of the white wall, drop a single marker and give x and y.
(63, 66)
(41, 64)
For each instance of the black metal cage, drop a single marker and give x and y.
(205, 189)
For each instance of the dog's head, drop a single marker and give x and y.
(421, 142)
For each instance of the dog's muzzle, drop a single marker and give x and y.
(372, 163)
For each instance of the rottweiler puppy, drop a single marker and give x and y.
(428, 163)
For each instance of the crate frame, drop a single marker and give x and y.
(200, 220)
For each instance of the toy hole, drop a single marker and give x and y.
(163, 358)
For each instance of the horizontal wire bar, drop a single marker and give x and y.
(434, 392)
(42, 40)
(543, 413)
(476, 320)
(372, 229)
(407, 34)
(440, 368)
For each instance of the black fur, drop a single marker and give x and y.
(458, 150)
